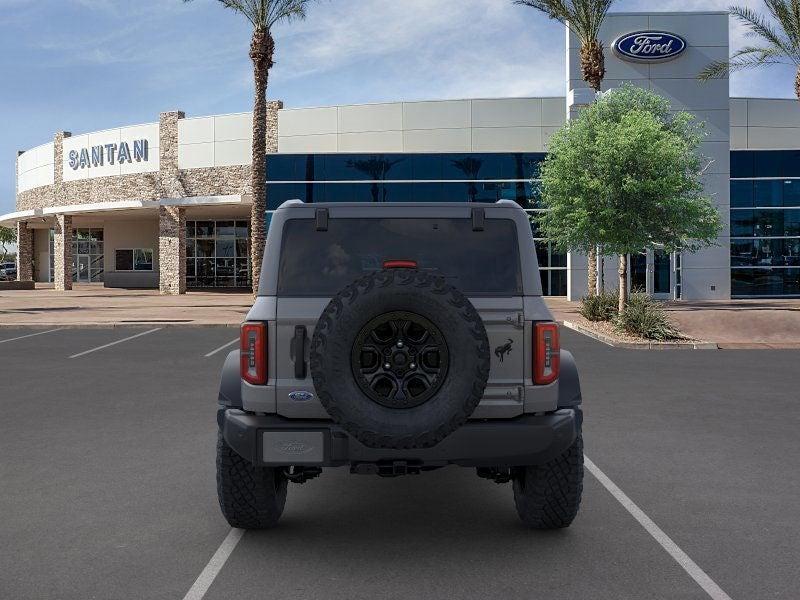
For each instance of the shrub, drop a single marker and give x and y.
(645, 318)
(602, 307)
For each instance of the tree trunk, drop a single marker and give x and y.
(797, 84)
(593, 67)
(593, 70)
(601, 274)
(623, 282)
(262, 48)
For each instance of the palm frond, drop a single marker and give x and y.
(784, 13)
(745, 58)
(583, 17)
(759, 26)
(263, 14)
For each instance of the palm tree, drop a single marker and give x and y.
(780, 41)
(263, 15)
(376, 168)
(584, 19)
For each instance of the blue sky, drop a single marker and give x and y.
(84, 65)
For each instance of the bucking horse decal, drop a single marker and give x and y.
(501, 351)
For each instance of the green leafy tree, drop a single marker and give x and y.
(626, 174)
(584, 19)
(778, 40)
(263, 15)
(8, 236)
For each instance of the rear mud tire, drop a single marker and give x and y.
(380, 293)
(548, 496)
(250, 497)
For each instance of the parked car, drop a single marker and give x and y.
(397, 339)
(8, 271)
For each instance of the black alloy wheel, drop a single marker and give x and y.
(400, 359)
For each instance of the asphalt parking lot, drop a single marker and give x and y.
(107, 485)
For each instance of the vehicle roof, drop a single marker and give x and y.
(377, 206)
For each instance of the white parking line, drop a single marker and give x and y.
(214, 566)
(22, 337)
(695, 572)
(115, 343)
(213, 352)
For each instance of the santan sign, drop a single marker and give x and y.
(97, 156)
(649, 46)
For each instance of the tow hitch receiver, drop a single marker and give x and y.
(390, 469)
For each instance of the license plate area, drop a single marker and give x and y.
(284, 448)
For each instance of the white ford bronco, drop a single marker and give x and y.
(395, 339)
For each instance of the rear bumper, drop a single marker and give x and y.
(270, 440)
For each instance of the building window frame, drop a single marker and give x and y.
(134, 262)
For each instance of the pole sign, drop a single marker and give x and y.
(649, 46)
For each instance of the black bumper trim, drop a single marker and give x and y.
(525, 440)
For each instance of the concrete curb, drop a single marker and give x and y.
(639, 345)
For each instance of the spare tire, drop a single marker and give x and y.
(400, 359)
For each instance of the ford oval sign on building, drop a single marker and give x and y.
(649, 46)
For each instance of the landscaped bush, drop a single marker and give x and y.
(601, 307)
(644, 317)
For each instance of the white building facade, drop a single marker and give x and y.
(167, 204)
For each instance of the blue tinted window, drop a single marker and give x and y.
(790, 165)
(426, 192)
(765, 253)
(398, 192)
(281, 167)
(791, 222)
(768, 193)
(765, 282)
(742, 223)
(278, 193)
(741, 194)
(426, 166)
(528, 164)
(742, 164)
(791, 192)
(768, 164)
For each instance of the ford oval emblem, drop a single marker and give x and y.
(301, 396)
(649, 46)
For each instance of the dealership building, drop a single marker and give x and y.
(167, 204)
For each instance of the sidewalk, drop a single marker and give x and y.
(731, 324)
(91, 305)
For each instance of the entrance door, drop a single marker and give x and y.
(662, 270)
(650, 272)
(638, 270)
(83, 268)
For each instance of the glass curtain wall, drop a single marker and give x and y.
(218, 254)
(765, 223)
(452, 177)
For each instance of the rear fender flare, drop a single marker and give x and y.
(230, 385)
(569, 384)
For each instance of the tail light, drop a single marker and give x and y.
(546, 353)
(399, 264)
(253, 353)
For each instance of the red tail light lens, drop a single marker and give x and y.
(253, 353)
(546, 353)
(399, 264)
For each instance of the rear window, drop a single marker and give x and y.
(320, 263)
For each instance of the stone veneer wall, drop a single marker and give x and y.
(24, 252)
(172, 250)
(62, 251)
(169, 182)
